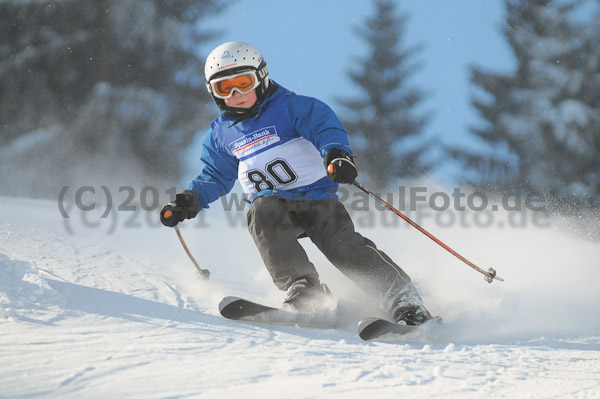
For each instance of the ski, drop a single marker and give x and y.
(369, 329)
(377, 329)
(240, 309)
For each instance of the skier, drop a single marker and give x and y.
(290, 153)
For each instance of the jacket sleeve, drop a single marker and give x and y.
(218, 174)
(315, 121)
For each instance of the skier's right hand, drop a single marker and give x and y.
(185, 206)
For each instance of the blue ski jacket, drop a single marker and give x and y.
(278, 151)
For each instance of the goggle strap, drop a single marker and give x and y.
(262, 72)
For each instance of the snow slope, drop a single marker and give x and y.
(90, 310)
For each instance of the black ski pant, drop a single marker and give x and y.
(276, 223)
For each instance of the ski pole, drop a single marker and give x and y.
(204, 273)
(490, 274)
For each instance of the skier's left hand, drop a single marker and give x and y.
(340, 166)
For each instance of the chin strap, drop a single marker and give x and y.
(245, 113)
(248, 112)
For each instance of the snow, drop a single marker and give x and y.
(95, 312)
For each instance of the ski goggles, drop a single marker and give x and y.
(243, 82)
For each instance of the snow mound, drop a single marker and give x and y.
(25, 294)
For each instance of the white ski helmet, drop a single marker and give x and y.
(232, 58)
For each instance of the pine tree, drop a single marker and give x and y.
(383, 124)
(590, 97)
(118, 83)
(542, 121)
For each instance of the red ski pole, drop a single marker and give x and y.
(490, 274)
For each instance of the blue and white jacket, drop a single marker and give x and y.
(277, 152)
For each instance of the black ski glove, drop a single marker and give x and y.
(185, 207)
(340, 166)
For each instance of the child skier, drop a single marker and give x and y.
(289, 153)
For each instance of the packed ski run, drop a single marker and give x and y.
(92, 311)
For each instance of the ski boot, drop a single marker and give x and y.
(409, 310)
(306, 294)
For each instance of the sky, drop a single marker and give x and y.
(311, 45)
